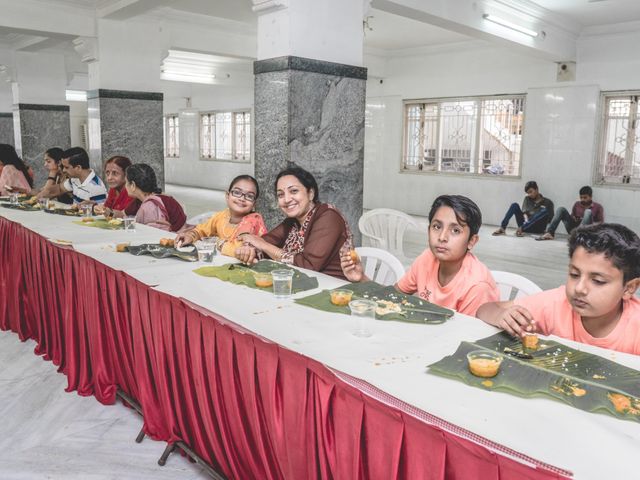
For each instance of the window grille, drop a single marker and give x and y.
(475, 135)
(172, 136)
(618, 153)
(226, 136)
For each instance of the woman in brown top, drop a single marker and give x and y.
(312, 234)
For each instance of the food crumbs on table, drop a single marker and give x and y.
(487, 383)
(598, 377)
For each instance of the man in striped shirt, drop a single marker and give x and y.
(82, 182)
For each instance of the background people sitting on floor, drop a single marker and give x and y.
(533, 217)
(584, 212)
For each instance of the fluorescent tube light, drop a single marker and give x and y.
(510, 25)
(76, 95)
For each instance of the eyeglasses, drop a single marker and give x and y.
(248, 196)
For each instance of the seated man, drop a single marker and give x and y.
(82, 182)
(584, 212)
(536, 212)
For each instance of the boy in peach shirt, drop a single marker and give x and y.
(596, 306)
(447, 273)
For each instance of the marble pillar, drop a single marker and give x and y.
(126, 123)
(6, 128)
(311, 113)
(38, 128)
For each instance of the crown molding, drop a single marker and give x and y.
(172, 15)
(268, 6)
(465, 45)
(612, 29)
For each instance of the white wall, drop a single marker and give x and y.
(189, 169)
(560, 126)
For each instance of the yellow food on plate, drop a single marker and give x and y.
(484, 364)
(167, 242)
(530, 341)
(114, 221)
(87, 219)
(263, 279)
(121, 247)
(341, 298)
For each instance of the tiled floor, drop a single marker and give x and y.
(50, 434)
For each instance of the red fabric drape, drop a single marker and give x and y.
(249, 407)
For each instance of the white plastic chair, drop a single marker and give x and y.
(200, 218)
(384, 228)
(380, 266)
(512, 285)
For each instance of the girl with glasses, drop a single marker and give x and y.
(231, 224)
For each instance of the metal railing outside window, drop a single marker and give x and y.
(470, 135)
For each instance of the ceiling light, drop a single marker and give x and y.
(510, 25)
(76, 95)
(184, 66)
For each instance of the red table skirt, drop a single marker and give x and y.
(249, 407)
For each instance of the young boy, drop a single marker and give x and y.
(597, 305)
(447, 273)
(534, 215)
(584, 212)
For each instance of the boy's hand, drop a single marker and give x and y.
(515, 320)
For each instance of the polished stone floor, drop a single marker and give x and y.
(47, 433)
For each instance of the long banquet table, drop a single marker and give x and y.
(265, 388)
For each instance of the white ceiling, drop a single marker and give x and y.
(389, 32)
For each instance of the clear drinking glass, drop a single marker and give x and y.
(282, 283)
(130, 224)
(363, 312)
(13, 198)
(87, 210)
(206, 249)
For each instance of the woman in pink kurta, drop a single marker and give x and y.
(14, 172)
(159, 211)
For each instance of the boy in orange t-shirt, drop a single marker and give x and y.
(596, 306)
(447, 273)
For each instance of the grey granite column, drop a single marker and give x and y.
(129, 124)
(310, 113)
(38, 128)
(6, 128)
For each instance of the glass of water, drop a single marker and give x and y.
(362, 312)
(130, 224)
(282, 283)
(13, 198)
(206, 249)
(87, 210)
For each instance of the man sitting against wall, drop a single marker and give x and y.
(533, 217)
(584, 212)
(82, 182)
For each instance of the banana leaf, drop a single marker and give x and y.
(583, 380)
(243, 275)
(412, 309)
(159, 251)
(23, 206)
(101, 223)
(68, 212)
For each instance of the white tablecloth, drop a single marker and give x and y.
(394, 359)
